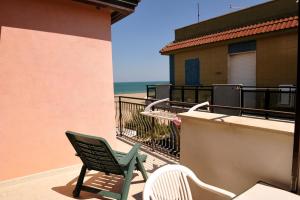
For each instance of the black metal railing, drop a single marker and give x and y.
(151, 91)
(269, 98)
(266, 98)
(163, 135)
(160, 134)
(191, 94)
(185, 93)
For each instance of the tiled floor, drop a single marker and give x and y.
(59, 184)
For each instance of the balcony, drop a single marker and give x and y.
(59, 184)
(230, 152)
(215, 146)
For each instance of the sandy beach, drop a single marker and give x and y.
(137, 95)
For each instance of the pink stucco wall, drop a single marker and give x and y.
(55, 75)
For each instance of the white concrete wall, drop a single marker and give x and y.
(236, 152)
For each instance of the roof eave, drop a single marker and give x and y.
(165, 53)
(226, 42)
(291, 23)
(120, 9)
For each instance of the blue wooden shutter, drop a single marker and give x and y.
(192, 72)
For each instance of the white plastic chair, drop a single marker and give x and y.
(170, 183)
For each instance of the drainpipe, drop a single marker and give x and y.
(295, 164)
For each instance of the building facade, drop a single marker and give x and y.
(56, 75)
(256, 46)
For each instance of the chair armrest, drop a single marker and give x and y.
(212, 188)
(133, 152)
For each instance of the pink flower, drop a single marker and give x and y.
(177, 121)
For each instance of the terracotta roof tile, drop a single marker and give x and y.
(265, 27)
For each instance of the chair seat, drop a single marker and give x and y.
(120, 155)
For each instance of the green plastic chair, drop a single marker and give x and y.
(96, 154)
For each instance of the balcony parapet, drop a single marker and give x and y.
(234, 152)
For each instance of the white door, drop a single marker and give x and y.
(242, 69)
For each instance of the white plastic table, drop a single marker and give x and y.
(265, 192)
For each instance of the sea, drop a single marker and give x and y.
(134, 87)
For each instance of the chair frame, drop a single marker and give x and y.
(186, 172)
(88, 146)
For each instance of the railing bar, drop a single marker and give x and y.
(214, 106)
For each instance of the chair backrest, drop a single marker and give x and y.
(170, 183)
(95, 153)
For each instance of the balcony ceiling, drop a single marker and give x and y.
(120, 8)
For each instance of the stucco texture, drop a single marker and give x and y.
(55, 75)
(276, 60)
(234, 153)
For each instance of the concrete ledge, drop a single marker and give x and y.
(286, 127)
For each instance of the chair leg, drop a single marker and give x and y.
(141, 168)
(77, 189)
(127, 180)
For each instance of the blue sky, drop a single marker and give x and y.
(137, 39)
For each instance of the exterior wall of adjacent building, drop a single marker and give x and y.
(276, 61)
(55, 75)
(213, 65)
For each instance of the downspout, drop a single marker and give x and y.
(295, 163)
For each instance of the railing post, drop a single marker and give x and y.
(147, 91)
(212, 99)
(120, 117)
(152, 131)
(267, 102)
(242, 100)
(182, 93)
(197, 94)
(171, 93)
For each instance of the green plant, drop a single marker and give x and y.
(146, 127)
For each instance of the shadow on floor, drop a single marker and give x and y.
(97, 180)
(138, 196)
(111, 183)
